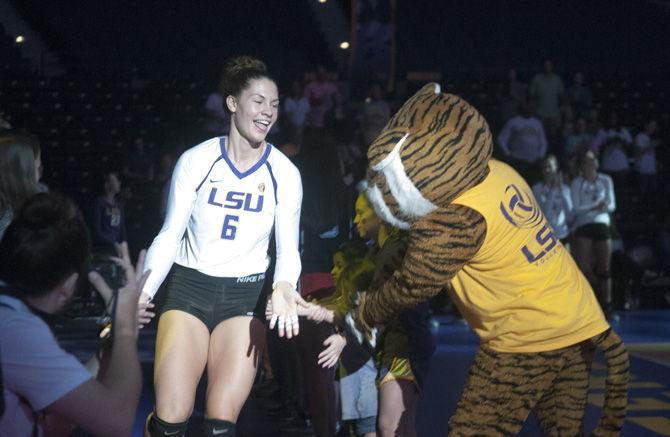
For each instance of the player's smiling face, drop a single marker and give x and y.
(255, 109)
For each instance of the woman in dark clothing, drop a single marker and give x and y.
(109, 221)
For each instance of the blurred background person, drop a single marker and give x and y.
(319, 92)
(296, 108)
(593, 201)
(109, 220)
(555, 199)
(523, 142)
(20, 168)
(547, 88)
(646, 143)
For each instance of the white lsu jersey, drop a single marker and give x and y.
(219, 220)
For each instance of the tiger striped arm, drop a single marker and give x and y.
(440, 244)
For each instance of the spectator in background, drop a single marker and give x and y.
(375, 113)
(547, 89)
(138, 164)
(323, 223)
(610, 145)
(554, 198)
(338, 120)
(577, 139)
(296, 108)
(405, 345)
(646, 143)
(20, 163)
(109, 221)
(523, 141)
(612, 128)
(353, 159)
(593, 201)
(42, 256)
(352, 273)
(511, 96)
(593, 122)
(579, 96)
(319, 92)
(358, 391)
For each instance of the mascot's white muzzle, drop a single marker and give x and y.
(411, 203)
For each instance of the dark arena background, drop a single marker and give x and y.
(123, 86)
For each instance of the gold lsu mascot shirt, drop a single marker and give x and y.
(522, 291)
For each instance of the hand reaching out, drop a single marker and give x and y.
(284, 311)
(125, 319)
(334, 346)
(318, 314)
(313, 312)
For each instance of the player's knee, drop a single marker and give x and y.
(160, 428)
(216, 427)
(173, 410)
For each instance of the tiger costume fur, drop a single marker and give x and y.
(475, 229)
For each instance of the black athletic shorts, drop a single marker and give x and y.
(212, 299)
(595, 231)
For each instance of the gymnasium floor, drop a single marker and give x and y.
(646, 333)
(647, 337)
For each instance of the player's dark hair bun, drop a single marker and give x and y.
(243, 64)
(238, 72)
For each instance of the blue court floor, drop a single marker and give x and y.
(647, 337)
(646, 333)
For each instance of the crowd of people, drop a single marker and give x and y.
(584, 160)
(281, 176)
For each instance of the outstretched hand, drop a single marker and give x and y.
(334, 346)
(313, 312)
(125, 319)
(284, 311)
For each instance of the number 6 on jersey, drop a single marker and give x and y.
(229, 229)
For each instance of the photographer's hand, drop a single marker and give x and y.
(144, 306)
(125, 319)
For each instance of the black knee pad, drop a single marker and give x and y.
(218, 428)
(161, 428)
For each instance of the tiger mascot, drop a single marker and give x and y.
(475, 229)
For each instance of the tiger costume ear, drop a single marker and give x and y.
(438, 146)
(429, 89)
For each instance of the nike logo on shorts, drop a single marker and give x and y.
(219, 431)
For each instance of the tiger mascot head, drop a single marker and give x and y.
(434, 148)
